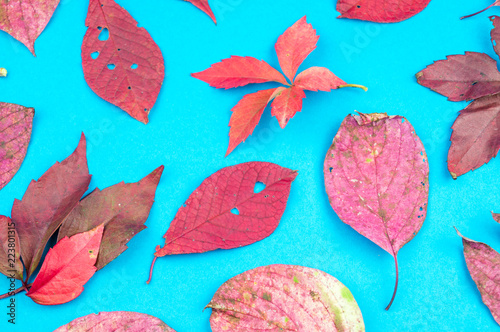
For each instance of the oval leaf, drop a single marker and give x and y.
(284, 298)
(381, 11)
(10, 250)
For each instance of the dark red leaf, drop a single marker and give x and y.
(129, 69)
(382, 11)
(205, 7)
(10, 250)
(287, 103)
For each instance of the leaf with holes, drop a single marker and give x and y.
(16, 122)
(121, 62)
(122, 209)
(284, 298)
(10, 254)
(292, 48)
(226, 211)
(381, 11)
(25, 20)
(66, 268)
(377, 179)
(205, 7)
(496, 3)
(116, 321)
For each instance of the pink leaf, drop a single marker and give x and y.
(381, 11)
(10, 250)
(287, 103)
(205, 7)
(318, 78)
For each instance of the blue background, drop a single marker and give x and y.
(188, 134)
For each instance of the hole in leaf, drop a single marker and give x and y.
(104, 35)
(235, 211)
(111, 66)
(259, 186)
(94, 55)
(99, 28)
(134, 66)
(129, 87)
(421, 209)
(403, 120)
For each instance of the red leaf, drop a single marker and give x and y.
(377, 179)
(495, 34)
(122, 209)
(476, 136)
(239, 71)
(287, 103)
(225, 213)
(205, 7)
(129, 69)
(462, 77)
(15, 133)
(496, 216)
(386, 11)
(26, 19)
(294, 45)
(318, 78)
(246, 116)
(66, 268)
(47, 202)
(496, 3)
(10, 253)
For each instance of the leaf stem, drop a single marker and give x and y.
(353, 86)
(19, 290)
(493, 4)
(151, 270)
(396, 286)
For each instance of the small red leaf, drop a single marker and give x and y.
(462, 77)
(318, 78)
(129, 69)
(66, 268)
(381, 11)
(205, 7)
(10, 250)
(287, 103)
(496, 216)
(26, 19)
(239, 71)
(15, 133)
(294, 45)
(476, 136)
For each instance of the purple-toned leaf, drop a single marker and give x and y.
(10, 250)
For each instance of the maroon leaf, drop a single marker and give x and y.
(15, 133)
(376, 177)
(47, 202)
(122, 209)
(224, 212)
(382, 11)
(10, 251)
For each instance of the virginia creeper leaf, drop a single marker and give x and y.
(10, 253)
(377, 178)
(462, 77)
(26, 19)
(129, 69)
(284, 298)
(496, 216)
(318, 78)
(239, 71)
(116, 321)
(122, 209)
(16, 122)
(47, 202)
(381, 11)
(484, 267)
(205, 7)
(66, 268)
(286, 104)
(476, 136)
(225, 213)
(496, 3)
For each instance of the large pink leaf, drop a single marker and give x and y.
(15, 133)
(382, 11)
(287, 103)
(205, 7)
(284, 298)
(318, 78)
(26, 19)
(129, 69)
(294, 45)
(462, 77)
(376, 176)
(476, 136)
(239, 71)
(10, 250)
(66, 268)
(122, 209)
(47, 202)
(116, 321)
(224, 212)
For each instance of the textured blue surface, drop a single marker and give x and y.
(188, 133)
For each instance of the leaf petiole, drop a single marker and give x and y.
(19, 290)
(353, 86)
(396, 286)
(493, 4)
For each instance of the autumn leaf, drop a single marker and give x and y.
(284, 298)
(296, 43)
(225, 212)
(205, 7)
(116, 321)
(26, 19)
(10, 254)
(122, 209)
(386, 11)
(3, 72)
(121, 62)
(66, 268)
(496, 3)
(377, 179)
(16, 122)
(496, 216)
(47, 202)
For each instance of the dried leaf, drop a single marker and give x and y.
(26, 19)
(10, 253)
(66, 268)
(128, 70)
(287, 103)
(116, 321)
(377, 178)
(284, 298)
(386, 11)
(122, 209)
(496, 216)
(224, 212)
(16, 122)
(47, 202)
(496, 3)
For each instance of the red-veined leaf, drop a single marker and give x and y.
(381, 11)
(287, 103)
(318, 78)
(10, 251)
(205, 7)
